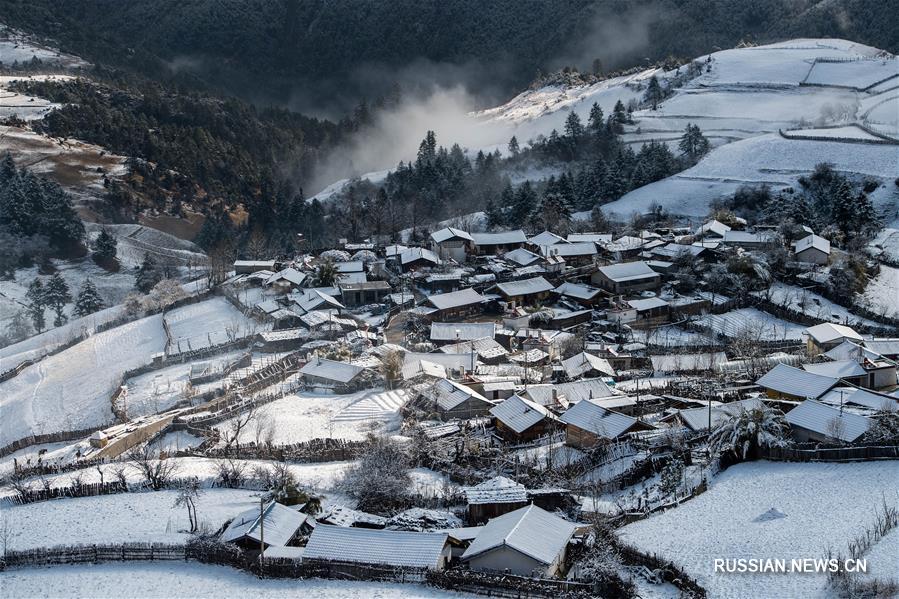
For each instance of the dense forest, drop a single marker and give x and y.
(327, 54)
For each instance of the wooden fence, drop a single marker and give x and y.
(92, 554)
(42, 439)
(831, 454)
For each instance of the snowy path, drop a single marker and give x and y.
(377, 406)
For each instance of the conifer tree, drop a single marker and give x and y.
(653, 93)
(89, 300)
(147, 275)
(513, 147)
(105, 248)
(56, 296)
(36, 304)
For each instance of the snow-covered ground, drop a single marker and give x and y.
(142, 517)
(210, 322)
(824, 505)
(883, 559)
(752, 323)
(71, 390)
(882, 293)
(845, 132)
(886, 244)
(16, 46)
(168, 580)
(812, 304)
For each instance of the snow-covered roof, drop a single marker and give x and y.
(546, 238)
(525, 287)
(789, 380)
(314, 299)
(812, 241)
(462, 331)
(436, 365)
(697, 419)
(738, 237)
(521, 256)
(447, 233)
(331, 370)
(848, 350)
(885, 347)
(589, 237)
(860, 397)
(828, 332)
(340, 515)
(584, 292)
(372, 546)
(502, 238)
(828, 420)
(519, 414)
(498, 489)
(672, 250)
(713, 226)
(573, 392)
(838, 369)
(628, 271)
(456, 299)
(579, 364)
(593, 418)
(280, 522)
(648, 303)
(530, 530)
(353, 277)
(569, 250)
(486, 347)
(268, 306)
(255, 264)
(624, 243)
(351, 266)
(413, 254)
(394, 250)
(291, 275)
(450, 394)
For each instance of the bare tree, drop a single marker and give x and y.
(188, 494)
(231, 473)
(157, 472)
(232, 329)
(392, 367)
(231, 434)
(120, 473)
(19, 484)
(264, 429)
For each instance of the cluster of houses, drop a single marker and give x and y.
(521, 337)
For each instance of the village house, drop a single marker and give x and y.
(847, 371)
(495, 244)
(451, 244)
(487, 350)
(443, 333)
(282, 527)
(812, 249)
(339, 376)
(457, 305)
(749, 240)
(574, 254)
(362, 294)
(588, 424)
(598, 238)
(584, 364)
(285, 280)
(418, 258)
(697, 419)
(526, 292)
(648, 311)
(455, 400)
(819, 422)
(494, 497)
(564, 394)
(525, 542)
(826, 336)
(546, 238)
(788, 382)
(522, 257)
(582, 294)
(626, 278)
(518, 420)
(245, 267)
(712, 229)
(338, 546)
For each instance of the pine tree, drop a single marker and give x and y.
(513, 147)
(573, 127)
(147, 275)
(105, 248)
(619, 115)
(596, 120)
(653, 92)
(554, 213)
(36, 304)
(693, 143)
(494, 214)
(56, 296)
(89, 300)
(524, 205)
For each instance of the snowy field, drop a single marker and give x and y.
(752, 322)
(206, 323)
(882, 293)
(859, 74)
(71, 390)
(139, 517)
(824, 506)
(846, 132)
(305, 416)
(811, 304)
(179, 580)
(883, 563)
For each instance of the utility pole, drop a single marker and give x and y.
(261, 536)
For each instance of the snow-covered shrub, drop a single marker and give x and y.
(165, 293)
(672, 476)
(335, 256)
(744, 433)
(380, 479)
(365, 256)
(884, 427)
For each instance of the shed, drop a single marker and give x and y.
(588, 424)
(330, 372)
(525, 542)
(518, 419)
(584, 364)
(415, 258)
(494, 497)
(458, 303)
(494, 244)
(454, 332)
(279, 525)
(628, 277)
(525, 292)
(826, 336)
(455, 400)
(400, 549)
(812, 249)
